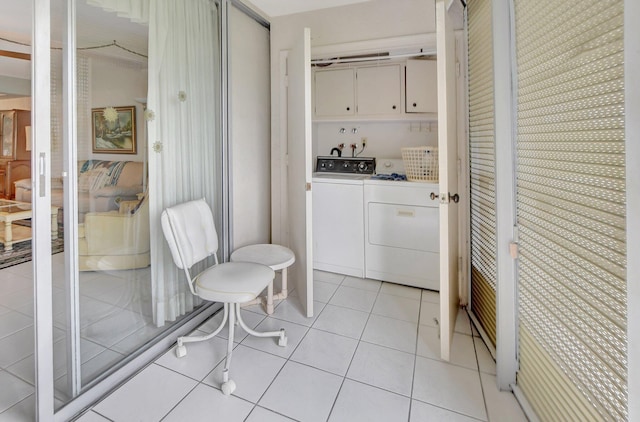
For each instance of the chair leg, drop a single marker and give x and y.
(282, 336)
(228, 386)
(270, 298)
(181, 350)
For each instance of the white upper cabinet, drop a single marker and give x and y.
(334, 93)
(378, 90)
(401, 90)
(421, 86)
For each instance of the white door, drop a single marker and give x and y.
(299, 167)
(448, 154)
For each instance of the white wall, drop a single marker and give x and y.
(116, 83)
(249, 130)
(384, 139)
(377, 19)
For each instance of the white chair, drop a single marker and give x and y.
(191, 234)
(274, 256)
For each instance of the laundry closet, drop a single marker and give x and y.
(371, 217)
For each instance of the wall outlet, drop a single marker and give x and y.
(364, 142)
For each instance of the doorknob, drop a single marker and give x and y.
(445, 199)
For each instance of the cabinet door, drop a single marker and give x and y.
(378, 90)
(334, 92)
(7, 122)
(421, 86)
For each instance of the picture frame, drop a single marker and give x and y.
(114, 130)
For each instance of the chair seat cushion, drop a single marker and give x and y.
(275, 256)
(233, 282)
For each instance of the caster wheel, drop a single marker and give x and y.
(282, 340)
(228, 387)
(181, 351)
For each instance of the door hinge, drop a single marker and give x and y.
(308, 187)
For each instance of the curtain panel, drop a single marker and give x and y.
(182, 105)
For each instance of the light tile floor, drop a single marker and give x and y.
(370, 354)
(108, 302)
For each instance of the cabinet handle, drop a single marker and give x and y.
(433, 196)
(406, 213)
(348, 108)
(415, 104)
(394, 107)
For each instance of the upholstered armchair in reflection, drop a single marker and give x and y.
(115, 240)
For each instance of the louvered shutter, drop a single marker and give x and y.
(482, 166)
(571, 208)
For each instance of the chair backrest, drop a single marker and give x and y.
(190, 232)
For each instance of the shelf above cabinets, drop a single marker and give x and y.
(404, 90)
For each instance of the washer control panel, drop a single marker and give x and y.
(345, 165)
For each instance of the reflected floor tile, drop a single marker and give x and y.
(13, 390)
(23, 411)
(13, 322)
(114, 328)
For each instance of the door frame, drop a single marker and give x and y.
(41, 207)
(506, 232)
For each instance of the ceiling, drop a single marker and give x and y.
(275, 8)
(94, 27)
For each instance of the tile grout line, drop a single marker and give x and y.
(344, 378)
(475, 350)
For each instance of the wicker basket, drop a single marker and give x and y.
(421, 163)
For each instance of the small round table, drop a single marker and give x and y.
(275, 256)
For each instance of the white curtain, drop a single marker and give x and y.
(182, 110)
(136, 10)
